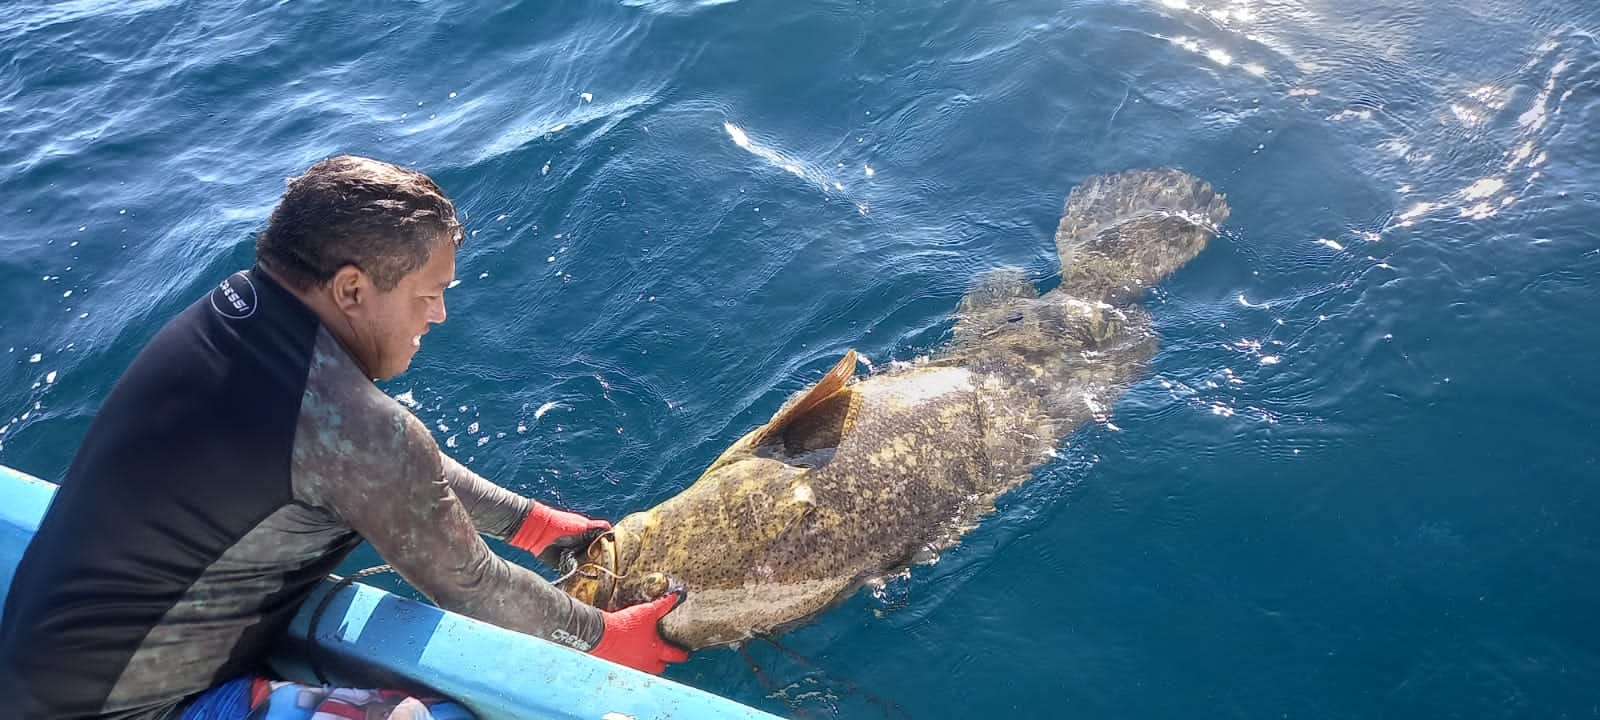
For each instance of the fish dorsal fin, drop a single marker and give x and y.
(830, 385)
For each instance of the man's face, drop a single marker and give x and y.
(396, 320)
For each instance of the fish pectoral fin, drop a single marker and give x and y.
(790, 510)
(805, 404)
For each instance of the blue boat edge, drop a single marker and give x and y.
(365, 636)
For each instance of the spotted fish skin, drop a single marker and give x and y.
(852, 480)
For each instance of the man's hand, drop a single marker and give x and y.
(545, 525)
(633, 635)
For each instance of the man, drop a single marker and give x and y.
(245, 453)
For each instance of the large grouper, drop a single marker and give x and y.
(855, 479)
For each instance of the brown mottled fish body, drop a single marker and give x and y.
(853, 480)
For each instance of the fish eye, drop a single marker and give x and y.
(654, 585)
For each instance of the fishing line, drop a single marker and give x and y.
(889, 709)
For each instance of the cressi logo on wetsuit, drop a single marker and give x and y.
(235, 297)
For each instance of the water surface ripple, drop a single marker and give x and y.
(1360, 480)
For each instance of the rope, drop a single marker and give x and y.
(339, 583)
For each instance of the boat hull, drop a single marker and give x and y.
(365, 636)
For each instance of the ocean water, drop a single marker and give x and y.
(1361, 479)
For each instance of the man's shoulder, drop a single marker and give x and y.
(348, 426)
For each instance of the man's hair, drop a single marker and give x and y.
(350, 210)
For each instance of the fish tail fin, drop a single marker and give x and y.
(1123, 232)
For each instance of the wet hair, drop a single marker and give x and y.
(349, 210)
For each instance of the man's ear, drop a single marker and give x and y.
(348, 288)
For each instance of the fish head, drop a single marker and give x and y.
(597, 573)
(589, 572)
(642, 587)
(757, 494)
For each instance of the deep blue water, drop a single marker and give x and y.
(1360, 481)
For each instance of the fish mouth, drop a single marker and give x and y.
(594, 575)
(591, 577)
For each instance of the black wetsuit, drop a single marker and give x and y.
(238, 460)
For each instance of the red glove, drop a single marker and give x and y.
(545, 525)
(633, 636)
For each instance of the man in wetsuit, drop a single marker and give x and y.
(245, 453)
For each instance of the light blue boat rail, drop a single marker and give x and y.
(368, 637)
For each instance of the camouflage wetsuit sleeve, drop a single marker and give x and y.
(496, 511)
(364, 457)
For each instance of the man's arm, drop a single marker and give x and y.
(359, 454)
(401, 504)
(500, 513)
(364, 457)
(496, 511)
